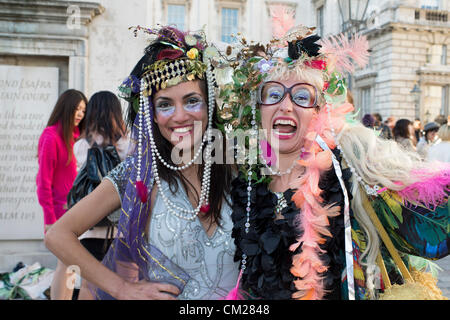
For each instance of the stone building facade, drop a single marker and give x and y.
(44, 50)
(409, 48)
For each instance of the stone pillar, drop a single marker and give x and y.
(78, 73)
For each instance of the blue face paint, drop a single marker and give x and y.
(194, 104)
(167, 109)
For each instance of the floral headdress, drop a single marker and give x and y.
(299, 48)
(184, 57)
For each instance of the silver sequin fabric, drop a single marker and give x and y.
(208, 260)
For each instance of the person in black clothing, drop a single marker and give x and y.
(385, 131)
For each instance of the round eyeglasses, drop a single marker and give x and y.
(302, 94)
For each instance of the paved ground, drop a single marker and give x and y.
(444, 276)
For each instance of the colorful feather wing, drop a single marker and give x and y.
(415, 230)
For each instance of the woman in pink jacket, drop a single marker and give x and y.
(58, 169)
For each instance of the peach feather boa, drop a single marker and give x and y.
(313, 220)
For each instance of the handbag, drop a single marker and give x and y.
(100, 161)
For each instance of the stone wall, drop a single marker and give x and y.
(35, 36)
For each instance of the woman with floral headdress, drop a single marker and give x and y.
(174, 233)
(309, 213)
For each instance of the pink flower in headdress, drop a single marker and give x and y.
(317, 64)
(170, 54)
(326, 85)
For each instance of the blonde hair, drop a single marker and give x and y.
(378, 162)
(444, 132)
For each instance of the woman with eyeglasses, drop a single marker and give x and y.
(306, 213)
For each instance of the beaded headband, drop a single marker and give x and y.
(185, 57)
(164, 74)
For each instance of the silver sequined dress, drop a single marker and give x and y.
(208, 260)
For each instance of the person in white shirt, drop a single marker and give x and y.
(441, 151)
(430, 138)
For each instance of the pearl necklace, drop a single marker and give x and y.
(187, 165)
(254, 132)
(145, 112)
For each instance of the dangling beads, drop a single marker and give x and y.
(203, 205)
(249, 184)
(141, 188)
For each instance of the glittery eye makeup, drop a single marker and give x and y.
(194, 104)
(164, 109)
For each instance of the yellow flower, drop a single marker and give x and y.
(190, 76)
(192, 54)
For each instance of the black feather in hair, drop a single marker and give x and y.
(307, 45)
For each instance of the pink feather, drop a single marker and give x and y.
(430, 190)
(282, 20)
(313, 222)
(234, 294)
(346, 53)
(142, 191)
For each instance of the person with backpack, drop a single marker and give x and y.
(103, 144)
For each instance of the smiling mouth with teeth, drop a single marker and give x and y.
(183, 130)
(284, 128)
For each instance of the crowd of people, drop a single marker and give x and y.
(413, 135)
(320, 225)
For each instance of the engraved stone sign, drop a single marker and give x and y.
(27, 97)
